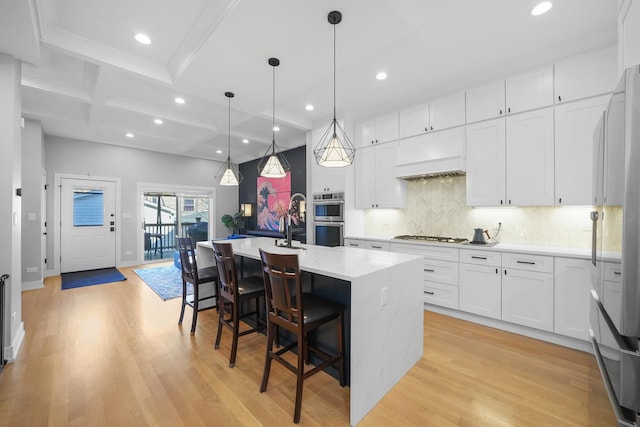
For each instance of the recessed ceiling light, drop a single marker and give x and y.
(219, 151)
(179, 100)
(129, 135)
(541, 8)
(381, 75)
(143, 38)
(158, 121)
(308, 107)
(276, 128)
(245, 141)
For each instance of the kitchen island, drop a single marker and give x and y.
(385, 321)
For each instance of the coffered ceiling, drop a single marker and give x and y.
(84, 76)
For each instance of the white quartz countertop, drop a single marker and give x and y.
(580, 253)
(338, 262)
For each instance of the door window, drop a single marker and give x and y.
(88, 208)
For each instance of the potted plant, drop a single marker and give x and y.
(233, 222)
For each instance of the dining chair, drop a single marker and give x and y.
(233, 291)
(196, 276)
(300, 314)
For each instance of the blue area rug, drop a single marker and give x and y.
(166, 281)
(79, 279)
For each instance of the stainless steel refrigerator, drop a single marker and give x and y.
(615, 303)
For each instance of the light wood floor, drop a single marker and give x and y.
(114, 355)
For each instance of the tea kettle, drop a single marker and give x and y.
(478, 236)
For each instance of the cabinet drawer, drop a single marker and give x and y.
(613, 272)
(431, 252)
(543, 264)
(441, 294)
(353, 243)
(441, 271)
(377, 246)
(480, 257)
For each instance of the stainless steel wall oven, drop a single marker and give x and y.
(328, 218)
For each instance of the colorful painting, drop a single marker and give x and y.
(274, 195)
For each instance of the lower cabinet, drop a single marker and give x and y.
(527, 298)
(367, 244)
(571, 297)
(480, 283)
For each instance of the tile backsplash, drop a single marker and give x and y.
(437, 206)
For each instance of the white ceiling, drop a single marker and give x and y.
(85, 77)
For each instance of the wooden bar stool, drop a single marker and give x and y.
(300, 314)
(196, 276)
(234, 291)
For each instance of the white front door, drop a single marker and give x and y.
(88, 224)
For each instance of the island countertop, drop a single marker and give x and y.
(339, 262)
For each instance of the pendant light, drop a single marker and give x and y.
(229, 173)
(334, 150)
(273, 164)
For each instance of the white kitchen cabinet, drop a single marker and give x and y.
(572, 285)
(375, 183)
(574, 128)
(530, 158)
(366, 244)
(527, 293)
(322, 178)
(480, 283)
(440, 267)
(587, 74)
(628, 34)
(381, 129)
(447, 112)
(414, 120)
(485, 102)
(485, 154)
(529, 90)
(612, 291)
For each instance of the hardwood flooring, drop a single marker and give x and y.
(114, 355)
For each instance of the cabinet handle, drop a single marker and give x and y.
(559, 98)
(509, 201)
(376, 247)
(426, 129)
(431, 128)
(617, 273)
(505, 272)
(501, 111)
(478, 257)
(526, 262)
(429, 270)
(560, 200)
(353, 244)
(509, 110)
(428, 292)
(501, 202)
(496, 271)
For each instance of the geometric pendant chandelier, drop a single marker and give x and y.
(334, 150)
(229, 174)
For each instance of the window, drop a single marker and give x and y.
(88, 208)
(189, 205)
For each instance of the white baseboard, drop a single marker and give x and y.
(11, 352)
(29, 286)
(551, 337)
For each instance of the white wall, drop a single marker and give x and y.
(131, 166)
(10, 204)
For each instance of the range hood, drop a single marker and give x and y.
(432, 155)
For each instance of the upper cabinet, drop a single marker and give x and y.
(574, 138)
(628, 33)
(379, 130)
(447, 112)
(439, 114)
(529, 90)
(486, 163)
(485, 102)
(530, 159)
(375, 183)
(414, 121)
(589, 74)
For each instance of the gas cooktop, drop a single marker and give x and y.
(439, 239)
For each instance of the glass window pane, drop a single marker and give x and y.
(88, 208)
